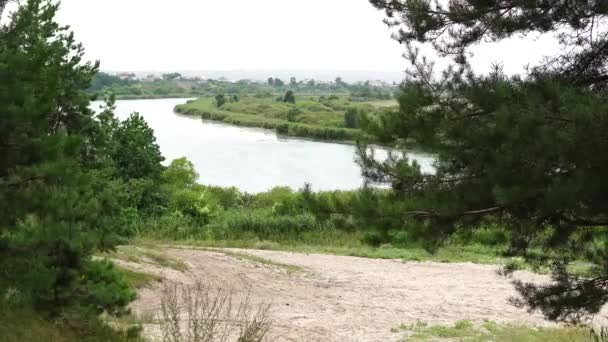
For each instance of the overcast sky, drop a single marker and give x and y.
(147, 35)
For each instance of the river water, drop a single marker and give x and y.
(251, 159)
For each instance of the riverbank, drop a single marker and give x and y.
(320, 119)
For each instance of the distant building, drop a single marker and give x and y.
(127, 76)
(379, 83)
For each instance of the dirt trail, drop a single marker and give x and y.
(338, 298)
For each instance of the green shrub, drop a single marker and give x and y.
(401, 239)
(270, 198)
(107, 291)
(128, 222)
(260, 224)
(173, 225)
(372, 238)
(283, 129)
(223, 197)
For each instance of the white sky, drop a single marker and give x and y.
(155, 35)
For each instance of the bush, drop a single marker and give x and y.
(107, 291)
(173, 225)
(211, 314)
(373, 238)
(270, 198)
(283, 129)
(260, 224)
(22, 324)
(351, 118)
(223, 197)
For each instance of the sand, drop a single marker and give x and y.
(340, 298)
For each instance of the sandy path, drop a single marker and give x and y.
(340, 298)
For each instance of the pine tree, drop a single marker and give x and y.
(527, 152)
(59, 200)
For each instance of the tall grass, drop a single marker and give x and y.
(23, 325)
(311, 119)
(202, 313)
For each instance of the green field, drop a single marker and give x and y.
(311, 117)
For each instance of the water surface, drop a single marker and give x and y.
(253, 160)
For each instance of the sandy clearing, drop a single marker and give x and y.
(340, 298)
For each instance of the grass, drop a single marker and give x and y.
(138, 280)
(19, 325)
(467, 331)
(263, 261)
(470, 253)
(140, 254)
(351, 246)
(383, 103)
(309, 117)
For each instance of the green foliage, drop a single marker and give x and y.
(172, 76)
(468, 331)
(102, 80)
(293, 114)
(220, 100)
(71, 182)
(523, 151)
(180, 174)
(351, 118)
(24, 324)
(106, 289)
(289, 97)
(309, 118)
(181, 86)
(136, 153)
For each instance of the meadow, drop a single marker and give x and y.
(323, 118)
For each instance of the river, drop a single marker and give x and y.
(253, 160)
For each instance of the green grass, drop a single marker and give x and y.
(23, 325)
(314, 119)
(470, 253)
(141, 254)
(383, 103)
(346, 244)
(263, 261)
(138, 280)
(468, 331)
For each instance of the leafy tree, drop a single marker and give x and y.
(340, 82)
(278, 82)
(350, 117)
(59, 199)
(289, 97)
(293, 82)
(135, 152)
(172, 76)
(181, 174)
(236, 98)
(103, 80)
(137, 161)
(271, 81)
(220, 100)
(525, 151)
